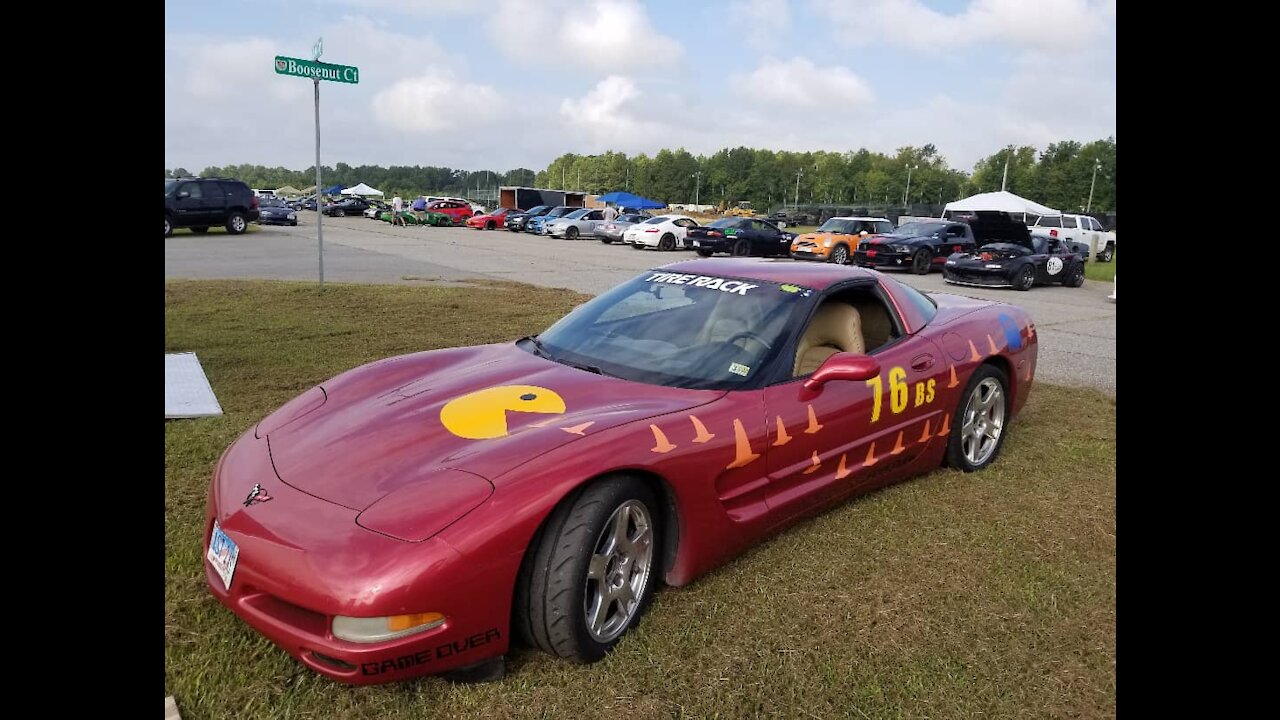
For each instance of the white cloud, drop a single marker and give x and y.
(615, 115)
(601, 35)
(763, 21)
(434, 102)
(798, 82)
(1042, 23)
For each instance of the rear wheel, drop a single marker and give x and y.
(236, 223)
(606, 241)
(977, 428)
(840, 256)
(1108, 252)
(168, 226)
(571, 233)
(742, 248)
(199, 229)
(921, 261)
(1025, 278)
(705, 253)
(339, 212)
(590, 570)
(490, 225)
(1075, 278)
(667, 242)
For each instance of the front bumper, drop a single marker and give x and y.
(881, 258)
(274, 220)
(816, 254)
(303, 560)
(977, 276)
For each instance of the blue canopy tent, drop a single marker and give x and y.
(626, 199)
(335, 189)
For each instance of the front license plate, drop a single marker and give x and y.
(222, 555)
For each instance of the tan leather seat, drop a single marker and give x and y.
(877, 328)
(836, 327)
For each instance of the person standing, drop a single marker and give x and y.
(610, 213)
(397, 206)
(420, 208)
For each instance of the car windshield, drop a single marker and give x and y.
(657, 221)
(919, 228)
(169, 185)
(679, 330)
(576, 214)
(539, 210)
(724, 223)
(841, 226)
(271, 202)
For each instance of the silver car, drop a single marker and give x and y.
(580, 222)
(611, 232)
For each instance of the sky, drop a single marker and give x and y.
(501, 84)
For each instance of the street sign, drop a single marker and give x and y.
(298, 67)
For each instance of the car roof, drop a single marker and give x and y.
(816, 276)
(860, 217)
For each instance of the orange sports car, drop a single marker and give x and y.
(835, 240)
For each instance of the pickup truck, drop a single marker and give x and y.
(1083, 234)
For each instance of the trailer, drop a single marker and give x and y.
(524, 198)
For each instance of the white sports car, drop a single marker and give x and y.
(664, 232)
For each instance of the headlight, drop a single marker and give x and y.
(901, 249)
(826, 243)
(377, 629)
(293, 216)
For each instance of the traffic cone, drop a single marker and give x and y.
(661, 444)
(742, 447)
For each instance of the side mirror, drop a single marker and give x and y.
(183, 195)
(843, 366)
(864, 233)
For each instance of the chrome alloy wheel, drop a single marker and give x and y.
(618, 572)
(983, 421)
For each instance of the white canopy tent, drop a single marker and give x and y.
(362, 190)
(999, 200)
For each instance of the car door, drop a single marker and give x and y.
(848, 435)
(768, 240)
(591, 222)
(188, 205)
(1070, 229)
(213, 208)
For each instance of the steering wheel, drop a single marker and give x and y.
(756, 337)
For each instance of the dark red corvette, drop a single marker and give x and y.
(415, 515)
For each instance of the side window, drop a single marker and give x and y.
(1068, 222)
(956, 231)
(213, 189)
(1095, 225)
(1050, 222)
(686, 223)
(193, 188)
(883, 227)
(595, 215)
(1040, 245)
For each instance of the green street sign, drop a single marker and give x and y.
(317, 70)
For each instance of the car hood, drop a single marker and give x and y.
(402, 422)
(896, 238)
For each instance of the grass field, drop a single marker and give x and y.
(951, 595)
(1094, 270)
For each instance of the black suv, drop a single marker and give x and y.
(200, 203)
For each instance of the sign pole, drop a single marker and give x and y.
(319, 208)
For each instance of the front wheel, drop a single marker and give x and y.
(741, 248)
(490, 225)
(168, 226)
(606, 241)
(921, 261)
(840, 256)
(1026, 278)
(978, 426)
(236, 224)
(1108, 253)
(339, 213)
(1075, 278)
(590, 570)
(571, 233)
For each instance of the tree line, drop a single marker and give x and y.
(1060, 176)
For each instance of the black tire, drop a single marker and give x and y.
(554, 587)
(294, 223)
(1108, 253)
(490, 225)
(606, 241)
(705, 253)
(956, 455)
(571, 233)
(840, 254)
(339, 212)
(199, 229)
(667, 242)
(1075, 277)
(921, 262)
(1026, 278)
(236, 224)
(168, 226)
(742, 248)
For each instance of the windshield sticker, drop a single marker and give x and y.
(704, 281)
(739, 369)
(790, 288)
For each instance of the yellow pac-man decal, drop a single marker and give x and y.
(482, 415)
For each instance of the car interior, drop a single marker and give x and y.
(853, 321)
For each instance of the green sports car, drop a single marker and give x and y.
(411, 218)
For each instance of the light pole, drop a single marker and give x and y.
(908, 190)
(697, 187)
(1097, 165)
(579, 186)
(799, 174)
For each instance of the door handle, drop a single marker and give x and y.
(922, 362)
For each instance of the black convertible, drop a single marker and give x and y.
(1021, 265)
(740, 236)
(920, 246)
(350, 206)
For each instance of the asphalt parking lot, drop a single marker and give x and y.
(1077, 326)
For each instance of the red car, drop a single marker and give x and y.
(459, 211)
(418, 514)
(490, 221)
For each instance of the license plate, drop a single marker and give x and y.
(697, 243)
(222, 555)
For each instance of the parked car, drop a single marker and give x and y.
(611, 232)
(348, 206)
(741, 237)
(1081, 233)
(785, 218)
(1021, 265)
(276, 212)
(516, 221)
(537, 225)
(376, 208)
(579, 223)
(664, 232)
(489, 221)
(918, 246)
(836, 239)
(418, 514)
(459, 211)
(200, 203)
